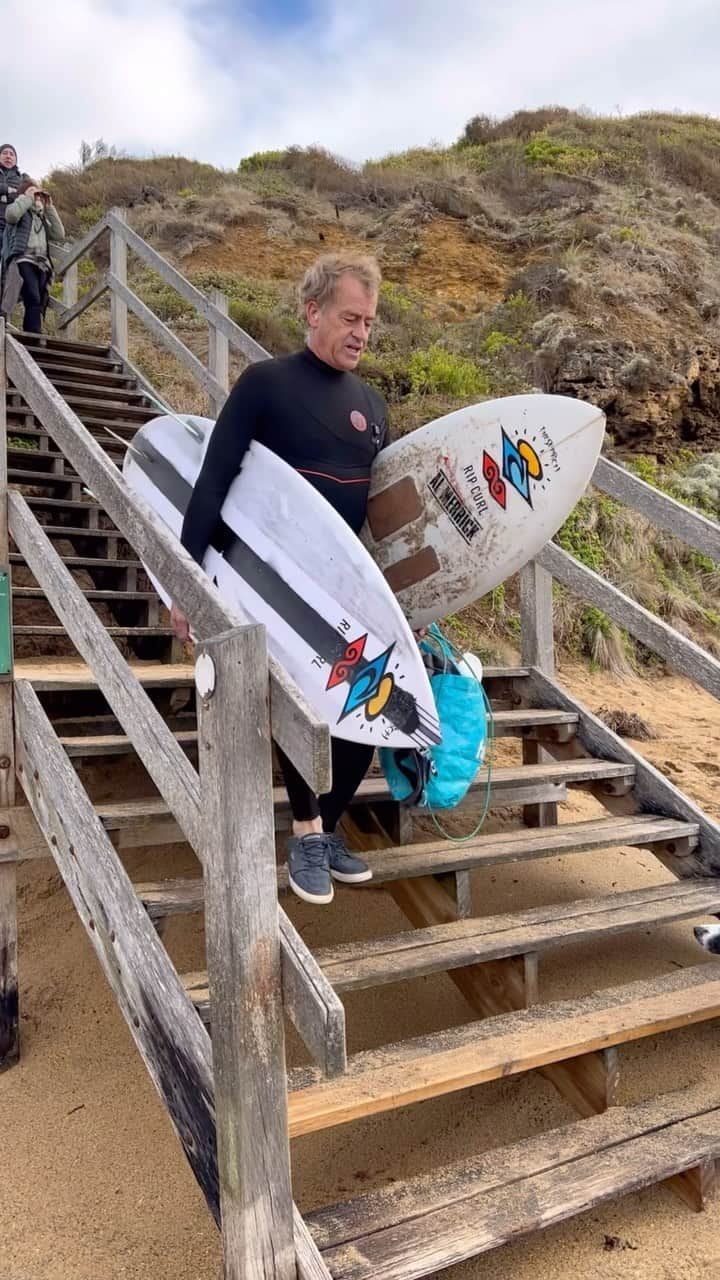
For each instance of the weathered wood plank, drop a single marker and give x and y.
(9, 1012)
(55, 675)
(500, 985)
(678, 651)
(399, 1075)
(243, 954)
(218, 353)
(311, 1001)
(690, 526)
(125, 296)
(433, 857)
(419, 952)
(480, 1217)
(238, 338)
(696, 1186)
(654, 793)
(68, 319)
(69, 297)
(313, 1005)
(405, 1200)
(171, 1039)
(297, 729)
(155, 744)
(536, 616)
(70, 256)
(117, 280)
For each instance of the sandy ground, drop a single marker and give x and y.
(95, 1185)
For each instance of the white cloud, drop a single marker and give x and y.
(188, 77)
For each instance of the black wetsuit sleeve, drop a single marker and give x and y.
(233, 431)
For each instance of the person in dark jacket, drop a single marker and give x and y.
(11, 179)
(32, 224)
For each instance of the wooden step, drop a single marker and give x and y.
(416, 953)
(509, 1044)
(397, 864)
(49, 360)
(91, 593)
(76, 531)
(96, 426)
(84, 562)
(67, 675)
(42, 479)
(33, 434)
(100, 408)
(118, 632)
(450, 946)
(39, 502)
(111, 744)
(418, 1227)
(440, 948)
(46, 342)
(118, 395)
(506, 722)
(110, 376)
(587, 773)
(42, 461)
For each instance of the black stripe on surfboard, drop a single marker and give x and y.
(401, 710)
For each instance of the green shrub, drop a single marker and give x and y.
(496, 342)
(551, 153)
(437, 370)
(88, 214)
(579, 536)
(262, 160)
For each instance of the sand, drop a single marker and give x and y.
(95, 1185)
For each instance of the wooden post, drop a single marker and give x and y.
(538, 650)
(536, 617)
(243, 955)
(70, 297)
(118, 271)
(218, 354)
(9, 1024)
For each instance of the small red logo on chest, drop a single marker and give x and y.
(358, 420)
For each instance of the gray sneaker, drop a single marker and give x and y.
(309, 868)
(344, 865)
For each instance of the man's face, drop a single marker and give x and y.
(7, 158)
(340, 328)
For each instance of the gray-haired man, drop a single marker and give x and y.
(315, 413)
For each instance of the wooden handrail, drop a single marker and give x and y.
(677, 650)
(683, 522)
(80, 248)
(69, 314)
(237, 337)
(167, 337)
(296, 727)
(310, 1000)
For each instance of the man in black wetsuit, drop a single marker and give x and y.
(315, 413)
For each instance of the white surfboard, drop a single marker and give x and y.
(459, 505)
(289, 561)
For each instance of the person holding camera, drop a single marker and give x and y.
(32, 224)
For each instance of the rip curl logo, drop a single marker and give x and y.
(520, 465)
(358, 420)
(370, 686)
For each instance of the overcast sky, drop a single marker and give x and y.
(218, 79)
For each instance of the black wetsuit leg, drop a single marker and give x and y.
(350, 763)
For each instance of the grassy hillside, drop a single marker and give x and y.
(552, 249)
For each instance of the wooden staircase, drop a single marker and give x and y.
(105, 396)
(419, 1227)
